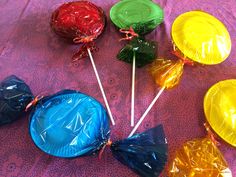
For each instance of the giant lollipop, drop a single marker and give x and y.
(81, 22)
(201, 157)
(135, 19)
(198, 37)
(71, 124)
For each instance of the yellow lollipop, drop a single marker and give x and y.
(197, 37)
(201, 37)
(220, 109)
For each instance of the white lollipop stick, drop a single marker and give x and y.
(101, 87)
(146, 112)
(133, 91)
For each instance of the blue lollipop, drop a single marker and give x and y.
(71, 124)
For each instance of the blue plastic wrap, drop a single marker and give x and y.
(145, 153)
(15, 95)
(69, 124)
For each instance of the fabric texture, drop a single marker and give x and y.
(31, 51)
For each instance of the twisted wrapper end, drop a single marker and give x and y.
(181, 56)
(129, 34)
(33, 102)
(108, 143)
(211, 134)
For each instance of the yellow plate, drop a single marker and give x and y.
(201, 37)
(220, 109)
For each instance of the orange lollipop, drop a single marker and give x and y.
(199, 158)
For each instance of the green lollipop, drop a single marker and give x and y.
(136, 18)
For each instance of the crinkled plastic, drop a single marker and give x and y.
(142, 15)
(199, 158)
(201, 37)
(145, 153)
(220, 109)
(80, 20)
(69, 124)
(197, 37)
(15, 95)
(139, 18)
(145, 52)
(167, 73)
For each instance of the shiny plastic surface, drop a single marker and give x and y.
(15, 95)
(199, 158)
(145, 153)
(69, 124)
(220, 109)
(145, 52)
(143, 15)
(201, 37)
(80, 21)
(167, 73)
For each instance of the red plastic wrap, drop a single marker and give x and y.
(79, 21)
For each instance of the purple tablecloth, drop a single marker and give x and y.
(31, 51)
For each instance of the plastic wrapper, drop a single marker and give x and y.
(14, 96)
(167, 73)
(145, 153)
(127, 17)
(220, 109)
(201, 37)
(145, 52)
(80, 22)
(69, 124)
(198, 37)
(198, 158)
(142, 15)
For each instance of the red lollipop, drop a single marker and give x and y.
(81, 22)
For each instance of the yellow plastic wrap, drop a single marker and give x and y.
(199, 158)
(220, 109)
(167, 73)
(197, 37)
(201, 37)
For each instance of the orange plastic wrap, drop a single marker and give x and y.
(167, 73)
(199, 158)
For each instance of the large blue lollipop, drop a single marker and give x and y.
(71, 124)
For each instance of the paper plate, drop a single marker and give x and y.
(69, 124)
(78, 21)
(143, 15)
(220, 110)
(201, 37)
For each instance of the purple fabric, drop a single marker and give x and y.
(32, 52)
